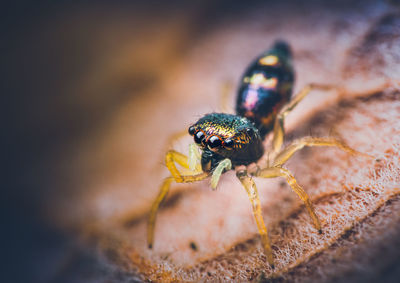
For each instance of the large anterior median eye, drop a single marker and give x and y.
(199, 137)
(214, 142)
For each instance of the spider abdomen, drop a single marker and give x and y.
(266, 86)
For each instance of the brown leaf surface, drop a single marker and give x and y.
(202, 235)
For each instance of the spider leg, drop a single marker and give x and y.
(285, 154)
(154, 208)
(273, 172)
(171, 140)
(171, 157)
(164, 189)
(279, 130)
(251, 189)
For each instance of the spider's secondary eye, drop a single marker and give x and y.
(199, 137)
(228, 143)
(192, 130)
(250, 132)
(214, 142)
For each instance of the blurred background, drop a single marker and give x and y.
(70, 68)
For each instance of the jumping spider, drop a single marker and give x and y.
(236, 141)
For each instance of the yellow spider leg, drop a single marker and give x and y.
(225, 164)
(164, 189)
(273, 172)
(296, 145)
(252, 193)
(154, 208)
(173, 156)
(170, 141)
(279, 130)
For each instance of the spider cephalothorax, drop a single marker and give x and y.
(229, 136)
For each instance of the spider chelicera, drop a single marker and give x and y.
(235, 142)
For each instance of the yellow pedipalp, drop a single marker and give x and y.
(225, 164)
(194, 158)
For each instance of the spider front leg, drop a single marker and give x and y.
(191, 163)
(251, 189)
(273, 172)
(279, 130)
(171, 157)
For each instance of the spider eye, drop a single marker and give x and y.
(250, 132)
(192, 130)
(199, 137)
(228, 143)
(214, 142)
